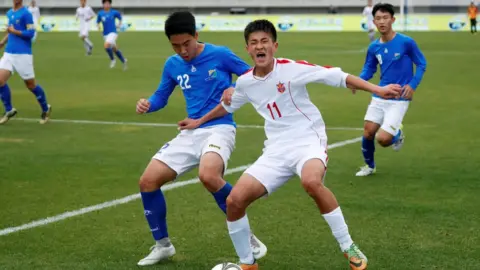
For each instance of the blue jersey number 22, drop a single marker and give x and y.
(183, 81)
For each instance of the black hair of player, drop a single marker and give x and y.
(181, 22)
(110, 1)
(383, 7)
(260, 26)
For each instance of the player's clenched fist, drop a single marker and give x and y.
(143, 106)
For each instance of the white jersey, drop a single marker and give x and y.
(35, 14)
(281, 98)
(84, 14)
(367, 13)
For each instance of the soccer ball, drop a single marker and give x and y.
(227, 266)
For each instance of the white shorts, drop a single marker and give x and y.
(183, 153)
(387, 113)
(111, 38)
(21, 63)
(83, 32)
(279, 163)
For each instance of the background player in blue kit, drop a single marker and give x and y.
(396, 54)
(108, 17)
(18, 58)
(203, 71)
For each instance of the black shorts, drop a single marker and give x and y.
(473, 21)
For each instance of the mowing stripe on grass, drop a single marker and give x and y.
(94, 122)
(97, 207)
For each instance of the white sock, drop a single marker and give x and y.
(88, 42)
(85, 45)
(240, 234)
(339, 228)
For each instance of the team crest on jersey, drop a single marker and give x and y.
(281, 87)
(397, 56)
(212, 74)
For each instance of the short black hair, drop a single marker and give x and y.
(103, 1)
(383, 7)
(181, 22)
(260, 26)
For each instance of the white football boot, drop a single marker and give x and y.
(366, 171)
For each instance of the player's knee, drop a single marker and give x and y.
(368, 134)
(312, 184)
(147, 184)
(30, 85)
(235, 202)
(107, 45)
(210, 178)
(384, 139)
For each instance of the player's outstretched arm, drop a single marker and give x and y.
(389, 91)
(188, 123)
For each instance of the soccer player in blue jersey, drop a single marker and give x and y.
(18, 57)
(203, 71)
(107, 17)
(396, 54)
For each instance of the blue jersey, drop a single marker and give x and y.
(108, 20)
(203, 80)
(396, 59)
(21, 20)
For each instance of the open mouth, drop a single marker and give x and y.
(261, 55)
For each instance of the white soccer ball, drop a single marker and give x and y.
(226, 266)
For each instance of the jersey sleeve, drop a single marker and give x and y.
(99, 17)
(420, 63)
(92, 13)
(118, 15)
(306, 73)
(29, 31)
(160, 97)
(233, 64)
(370, 66)
(239, 98)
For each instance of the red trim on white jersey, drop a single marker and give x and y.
(250, 70)
(302, 62)
(298, 109)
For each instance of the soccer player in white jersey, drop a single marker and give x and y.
(85, 14)
(35, 10)
(367, 13)
(296, 139)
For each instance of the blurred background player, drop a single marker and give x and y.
(296, 140)
(18, 57)
(85, 13)
(396, 54)
(35, 10)
(203, 71)
(472, 15)
(367, 13)
(107, 17)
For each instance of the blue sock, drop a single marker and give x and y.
(6, 97)
(368, 149)
(156, 213)
(221, 196)
(41, 97)
(396, 137)
(120, 56)
(110, 53)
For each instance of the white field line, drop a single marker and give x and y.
(140, 124)
(97, 207)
